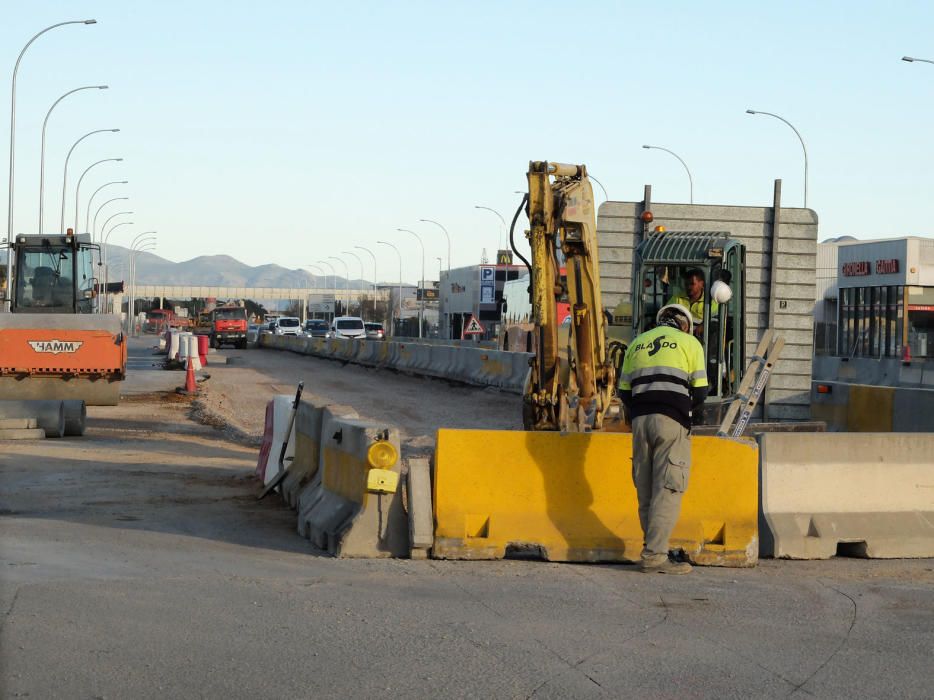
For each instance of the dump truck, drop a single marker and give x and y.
(53, 344)
(228, 326)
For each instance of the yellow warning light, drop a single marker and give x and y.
(381, 455)
(660, 229)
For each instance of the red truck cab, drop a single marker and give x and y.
(228, 326)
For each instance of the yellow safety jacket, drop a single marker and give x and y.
(664, 372)
(697, 307)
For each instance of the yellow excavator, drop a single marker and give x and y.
(572, 391)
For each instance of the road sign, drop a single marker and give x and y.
(426, 294)
(487, 273)
(473, 327)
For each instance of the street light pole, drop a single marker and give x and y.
(803, 147)
(347, 252)
(606, 197)
(912, 59)
(496, 260)
(346, 280)
(104, 251)
(94, 227)
(421, 306)
(391, 325)
(42, 149)
(446, 235)
(334, 284)
(686, 168)
(9, 208)
(78, 187)
(87, 217)
(501, 231)
(147, 243)
(65, 176)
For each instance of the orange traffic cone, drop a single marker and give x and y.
(190, 385)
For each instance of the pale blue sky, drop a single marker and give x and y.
(287, 132)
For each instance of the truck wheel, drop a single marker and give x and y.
(213, 342)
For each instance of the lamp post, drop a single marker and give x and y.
(347, 252)
(681, 160)
(499, 244)
(314, 281)
(606, 197)
(912, 59)
(360, 247)
(496, 260)
(42, 149)
(446, 235)
(78, 187)
(145, 241)
(803, 147)
(94, 227)
(346, 280)
(67, 158)
(104, 225)
(421, 306)
(105, 238)
(391, 324)
(87, 217)
(334, 283)
(9, 208)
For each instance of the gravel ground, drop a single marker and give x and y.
(236, 394)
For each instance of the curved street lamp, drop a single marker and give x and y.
(501, 231)
(138, 246)
(391, 324)
(67, 158)
(606, 197)
(360, 247)
(346, 279)
(42, 149)
(446, 235)
(421, 306)
(686, 168)
(9, 208)
(94, 227)
(362, 276)
(803, 147)
(87, 217)
(78, 187)
(104, 245)
(912, 59)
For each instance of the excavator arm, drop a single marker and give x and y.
(576, 392)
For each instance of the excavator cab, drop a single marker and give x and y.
(672, 266)
(53, 274)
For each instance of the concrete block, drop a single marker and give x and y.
(21, 433)
(338, 510)
(862, 494)
(421, 521)
(18, 423)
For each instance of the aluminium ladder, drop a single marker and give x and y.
(754, 382)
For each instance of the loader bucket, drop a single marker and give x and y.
(570, 497)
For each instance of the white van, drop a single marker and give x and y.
(348, 327)
(287, 325)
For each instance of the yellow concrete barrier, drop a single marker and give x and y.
(570, 498)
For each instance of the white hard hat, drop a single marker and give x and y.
(720, 292)
(679, 308)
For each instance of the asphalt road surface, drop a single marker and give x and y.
(137, 563)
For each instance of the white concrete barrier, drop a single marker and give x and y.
(281, 407)
(857, 494)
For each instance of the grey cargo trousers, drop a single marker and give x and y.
(661, 463)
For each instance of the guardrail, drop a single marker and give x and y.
(478, 366)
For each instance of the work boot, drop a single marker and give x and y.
(664, 566)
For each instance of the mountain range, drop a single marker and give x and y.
(218, 271)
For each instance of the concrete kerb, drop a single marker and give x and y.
(304, 468)
(860, 494)
(339, 512)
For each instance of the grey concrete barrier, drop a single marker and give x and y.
(354, 508)
(49, 414)
(304, 467)
(421, 518)
(861, 494)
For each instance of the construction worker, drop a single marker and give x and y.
(693, 298)
(663, 380)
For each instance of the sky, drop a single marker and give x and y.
(291, 132)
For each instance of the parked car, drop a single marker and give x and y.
(316, 328)
(347, 327)
(374, 331)
(287, 325)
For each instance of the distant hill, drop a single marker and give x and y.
(217, 271)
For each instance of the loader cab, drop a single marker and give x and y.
(53, 274)
(672, 266)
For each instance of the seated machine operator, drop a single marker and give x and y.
(694, 299)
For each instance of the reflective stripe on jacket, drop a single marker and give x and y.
(660, 369)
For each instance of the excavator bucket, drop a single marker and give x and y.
(62, 356)
(570, 497)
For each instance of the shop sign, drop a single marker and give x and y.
(855, 269)
(921, 307)
(887, 267)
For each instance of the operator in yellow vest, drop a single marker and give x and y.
(694, 298)
(662, 381)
